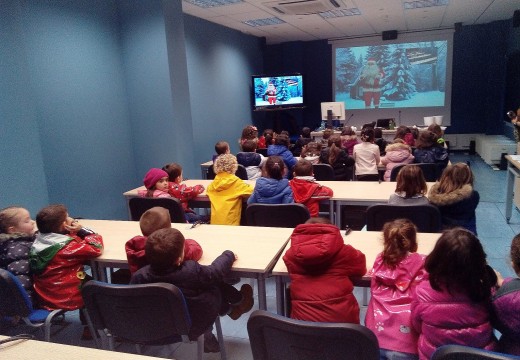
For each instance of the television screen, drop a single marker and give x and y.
(335, 109)
(278, 92)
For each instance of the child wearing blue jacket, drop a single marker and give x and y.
(281, 148)
(272, 187)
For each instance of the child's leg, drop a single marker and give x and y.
(230, 294)
(239, 302)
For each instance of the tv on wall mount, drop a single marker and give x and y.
(277, 92)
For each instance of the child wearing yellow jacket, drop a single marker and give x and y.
(226, 192)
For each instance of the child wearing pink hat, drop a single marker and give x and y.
(156, 183)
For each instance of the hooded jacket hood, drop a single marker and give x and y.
(223, 182)
(303, 189)
(441, 199)
(249, 159)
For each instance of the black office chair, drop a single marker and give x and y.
(323, 172)
(459, 352)
(277, 215)
(139, 205)
(395, 171)
(427, 217)
(145, 314)
(241, 172)
(274, 337)
(14, 301)
(262, 151)
(431, 171)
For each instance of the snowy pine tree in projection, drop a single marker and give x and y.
(282, 92)
(260, 88)
(381, 54)
(347, 68)
(399, 81)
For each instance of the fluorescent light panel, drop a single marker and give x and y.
(339, 13)
(264, 22)
(212, 3)
(424, 4)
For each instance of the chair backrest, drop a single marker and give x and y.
(276, 337)
(14, 300)
(459, 352)
(323, 172)
(139, 205)
(241, 172)
(277, 215)
(147, 314)
(427, 218)
(262, 151)
(431, 171)
(395, 171)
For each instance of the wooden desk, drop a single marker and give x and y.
(33, 349)
(369, 243)
(257, 248)
(513, 171)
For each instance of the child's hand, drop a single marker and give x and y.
(500, 278)
(74, 226)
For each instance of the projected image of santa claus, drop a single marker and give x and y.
(370, 80)
(271, 94)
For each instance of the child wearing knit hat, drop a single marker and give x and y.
(156, 183)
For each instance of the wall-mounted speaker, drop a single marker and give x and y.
(516, 18)
(389, 35)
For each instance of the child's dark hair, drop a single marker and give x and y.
(282, 139)
(303, 168)
(367, 134)
(399, 238)
(436, 129)
(8, 218)
(311, 149)
(50, 219)
(318, 220)
(154, 219)
(401, 131)
(334, 148)
(249, 146)
(221, 147)
(163, 248)
(327, 133)
(174, 170)
(306, 132)
(426, 139)
(347, 130)
(274, 168)
(250, 132)
(457, 263)
(378, 133)
(515, 254)
(269, 136)
(410, 180)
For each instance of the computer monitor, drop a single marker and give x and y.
(336, 110)
(384, 123)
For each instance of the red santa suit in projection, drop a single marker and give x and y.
(370, 79)
(271, 94)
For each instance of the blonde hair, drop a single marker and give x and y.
(9, 217)
(455, 177)
(225, 163)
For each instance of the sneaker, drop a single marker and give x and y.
(245, 305)
(211, 344)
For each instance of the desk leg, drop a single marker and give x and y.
(511, 173)
(262, 295)
(331, 211)
(280, 296)
(338, 214)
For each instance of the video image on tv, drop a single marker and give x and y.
(278, 90)
(392, 76)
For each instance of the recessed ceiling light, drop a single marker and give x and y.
(264, 22)
(339, 13)
(213, 3)
(419, 4)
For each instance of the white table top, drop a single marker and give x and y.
(257, 248)
(369, 243)
(41, 350)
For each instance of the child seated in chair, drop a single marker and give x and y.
(17, 231)
(221, 147)
(154, 219)
(320, 266)
(156, 183)
(306, 190)
(251, 160)
(206, 294)
(226, 192)
(183, 192)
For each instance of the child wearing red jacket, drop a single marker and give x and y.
(306, 190)
(183, 192)
(57, 256)
(154, 219)
(320, 265)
